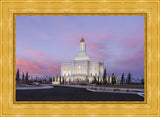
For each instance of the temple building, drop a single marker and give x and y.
(82, 69)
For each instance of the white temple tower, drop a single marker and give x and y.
(82, 46)
(82, 55)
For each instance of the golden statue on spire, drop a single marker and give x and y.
(82, 40)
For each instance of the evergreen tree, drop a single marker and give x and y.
(94, 80)
(50, 80)
(53, 78)
(26, 77)
(129, 78)
(57, 78)
(113, 79)
(142, 81)
(23, 77)
(63, 80)
(122, 79)
(60, 80)
(104, 77)
(17, 75)
(98, 81)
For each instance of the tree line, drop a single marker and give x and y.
(128, 81)
(95, 81)
(24, 77)
(113, 79)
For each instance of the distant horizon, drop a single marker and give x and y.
(38, 78)
(43, 43)
(38, 75)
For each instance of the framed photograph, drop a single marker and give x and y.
(67, 58)
(108, 63)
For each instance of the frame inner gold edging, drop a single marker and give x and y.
(80, 14)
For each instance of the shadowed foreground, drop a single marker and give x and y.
(59, 93)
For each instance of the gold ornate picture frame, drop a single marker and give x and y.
(10, 8)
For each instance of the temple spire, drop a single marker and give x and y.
(82, 55)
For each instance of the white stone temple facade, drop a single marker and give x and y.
(82, 69)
